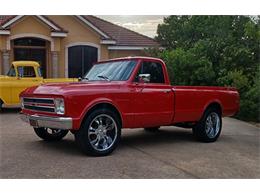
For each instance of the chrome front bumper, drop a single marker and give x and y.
(64, 123)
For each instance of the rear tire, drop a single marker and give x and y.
(48, 134)
(152, 129)
(99, 133)
(209, 127)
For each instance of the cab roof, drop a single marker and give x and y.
(131, 58)
(25, 63)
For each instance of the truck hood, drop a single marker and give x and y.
(68, 88)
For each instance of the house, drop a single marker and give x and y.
(66, 46)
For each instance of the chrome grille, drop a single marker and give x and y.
(39, 104)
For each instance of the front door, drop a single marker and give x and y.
(31, 49)
(154, 101)
(81, 59)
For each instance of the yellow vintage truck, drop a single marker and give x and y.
(22, 74)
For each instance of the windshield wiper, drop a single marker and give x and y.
(103, 77)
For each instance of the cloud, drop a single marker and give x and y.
(146, 25)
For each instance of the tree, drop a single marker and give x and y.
(212, 50)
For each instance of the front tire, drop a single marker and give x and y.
(99, 133)
(209, 127)
(48, 134)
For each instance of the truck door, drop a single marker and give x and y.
(26, 77)
(154, 100)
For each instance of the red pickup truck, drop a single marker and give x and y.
(131, 92)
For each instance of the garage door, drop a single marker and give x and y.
(80, 60)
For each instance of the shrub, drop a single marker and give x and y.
(250, 103)
(236, 79)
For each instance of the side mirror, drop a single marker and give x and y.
(144, 78)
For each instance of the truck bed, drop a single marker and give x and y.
(191, 101)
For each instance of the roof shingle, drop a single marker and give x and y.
(123, 36)
(4, 19)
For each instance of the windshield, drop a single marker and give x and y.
(11, 72)
(111, 71)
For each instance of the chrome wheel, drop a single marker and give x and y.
(102, 132)
(212, 125)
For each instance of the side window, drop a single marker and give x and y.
(26, 71)
(39, 72)
(154, 69)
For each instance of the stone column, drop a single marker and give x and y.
(6, 61)
(55, 63)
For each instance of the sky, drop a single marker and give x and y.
(144, 24)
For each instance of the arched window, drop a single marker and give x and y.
(29, 42)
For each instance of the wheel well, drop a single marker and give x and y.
(105, 106)
(215, 105)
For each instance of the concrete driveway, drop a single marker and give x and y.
(169, 153)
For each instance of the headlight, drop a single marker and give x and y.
(59, 105)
